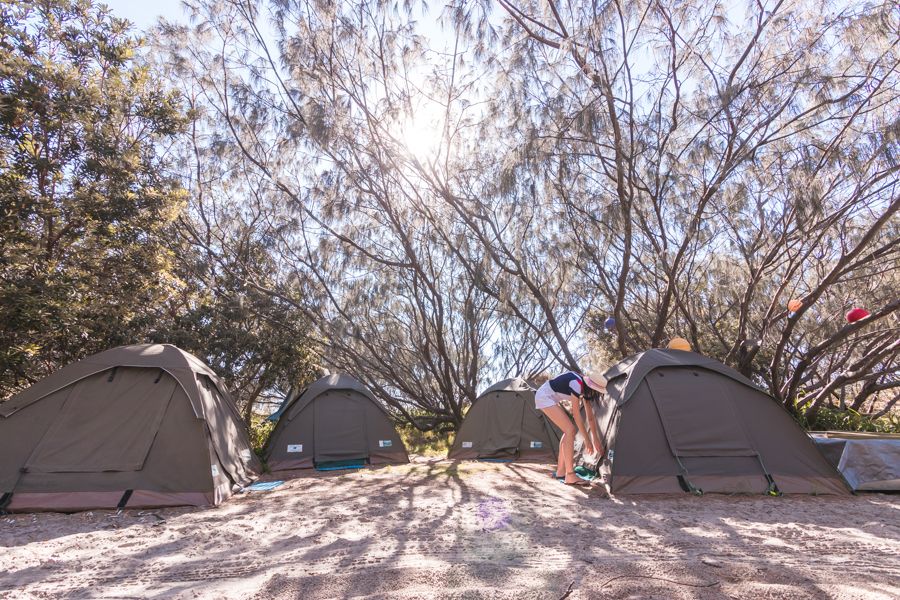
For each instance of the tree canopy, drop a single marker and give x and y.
(681, 170)
(85, 195)
(90, 196)
(517, 188)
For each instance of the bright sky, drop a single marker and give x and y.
(420, 135)
(143, 13)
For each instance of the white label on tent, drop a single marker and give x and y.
(245, 454)
(537, 444)
(467, 444)
(384, 443)
(215, 470)
(295, 447)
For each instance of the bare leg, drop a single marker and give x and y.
(566, 443)
(560, 463)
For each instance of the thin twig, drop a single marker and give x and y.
(568, 592)
(703, 585)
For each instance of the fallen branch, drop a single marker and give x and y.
(696, 585)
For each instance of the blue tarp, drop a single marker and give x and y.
(264, 486)
(356, 463)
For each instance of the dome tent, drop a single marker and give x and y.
(335, 422)
(678, 421)
(136, 426)
(503, 423)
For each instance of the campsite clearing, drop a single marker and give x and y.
(435, 528)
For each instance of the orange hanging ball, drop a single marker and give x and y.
(794, 305)
(678, 343)
(857, 314)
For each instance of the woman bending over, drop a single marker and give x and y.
(576, 388)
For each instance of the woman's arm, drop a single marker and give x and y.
(579, 423)
(592, 423)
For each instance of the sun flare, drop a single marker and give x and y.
(422, 130)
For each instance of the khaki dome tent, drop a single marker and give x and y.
(335, 422)
(503, 424)
(677, 421)
(137, 426)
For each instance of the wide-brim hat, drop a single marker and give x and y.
(595, 381)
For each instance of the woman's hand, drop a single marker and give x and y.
(588, 447)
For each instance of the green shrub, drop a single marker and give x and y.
(835, 419)
(260, 430)
(425, 443)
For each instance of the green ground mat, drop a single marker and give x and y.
(586, 473)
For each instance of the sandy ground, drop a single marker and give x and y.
(438, 529)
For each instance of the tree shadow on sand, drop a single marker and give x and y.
(476, 530)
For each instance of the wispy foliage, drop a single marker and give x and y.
(684, 170)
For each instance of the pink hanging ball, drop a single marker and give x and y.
(857, 314)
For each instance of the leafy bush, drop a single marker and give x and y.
(835, 419)
(425, 443)
(260, 430)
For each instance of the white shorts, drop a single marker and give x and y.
(545, 397)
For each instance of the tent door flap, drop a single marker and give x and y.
(340, 428)
(107, 423)
(696, 425)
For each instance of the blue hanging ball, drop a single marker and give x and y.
(610, 323)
